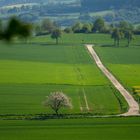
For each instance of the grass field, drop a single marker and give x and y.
(74, 39)
(72, 129)
(28, 99)
(29, 72)
(123, 62)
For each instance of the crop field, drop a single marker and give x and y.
(29, 72)
(72, 129)
(74, 39)
(123, 62)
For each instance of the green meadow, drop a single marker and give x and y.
(123, 62)
(72, 129)
(31, 71)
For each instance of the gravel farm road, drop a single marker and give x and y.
(133, 105)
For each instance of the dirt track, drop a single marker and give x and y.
(133, 105)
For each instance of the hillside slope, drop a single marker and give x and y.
(108, 4)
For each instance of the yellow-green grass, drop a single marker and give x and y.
(129, 74)
(14, 71)
(72, 129)
(48, 64)
(136, 87)
(137, 90)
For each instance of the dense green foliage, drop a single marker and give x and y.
(15, 28)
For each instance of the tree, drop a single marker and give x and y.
(77, 27)
(123, 25)
(48, 26)
(99, 25)
(16, 28)
(57, 100)
(25, 30)
(68, 30)
(117, 35)
(37, 30)
(56, 34)
(12, 29)
(87, 28)
(138, 28)
(129, 36)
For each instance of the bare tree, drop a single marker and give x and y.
(57, 100)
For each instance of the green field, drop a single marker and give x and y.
(72, 129)
(97, 39)
(123, 62)
(32, 70)
(48, 64)
(28, 99)
(29, 72)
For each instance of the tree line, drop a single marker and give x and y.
(118, 32)
(16, 28)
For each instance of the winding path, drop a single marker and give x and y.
(133, 105)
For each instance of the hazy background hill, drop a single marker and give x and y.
(66, 12)
(91, 5)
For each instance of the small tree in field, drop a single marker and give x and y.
(129, 36)
(56, 34)
(57, 100)
(117, 35)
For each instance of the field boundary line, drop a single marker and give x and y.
(133, 105)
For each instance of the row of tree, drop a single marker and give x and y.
(119, 34)
(99, 25)
(16, 28)
(122, 30)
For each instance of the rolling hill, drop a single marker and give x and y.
(67, 12)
